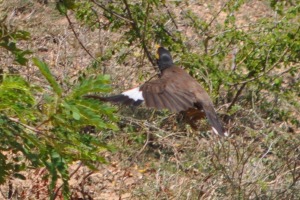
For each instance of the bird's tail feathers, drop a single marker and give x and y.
(215, 123)
(120, 98)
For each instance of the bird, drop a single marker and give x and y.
(174, 89)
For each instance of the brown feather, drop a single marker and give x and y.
(174, 106)
(183, 101)
(159, 102)
(177, 91)
(148, 99)
(166, 101)
(156, 101)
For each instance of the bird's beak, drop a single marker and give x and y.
(157, 55)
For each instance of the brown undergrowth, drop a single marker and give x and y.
(158, 157)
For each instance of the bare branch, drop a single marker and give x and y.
(138, 33)
(76, 35)
(111, 12)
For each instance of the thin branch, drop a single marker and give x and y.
(111, 12)
(72, 174)
(245, 57)
(42, 132)
(236, 96)
(170, 15)
(145, 28)
(215, 17)
(76, 36)
(138, 33)
(293, 67)
(272, 67)
(134, 26)
(143, 148)
(266, 72)
(25, 125)
(44, 122)
(146, 21)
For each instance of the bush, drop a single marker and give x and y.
(249, 67)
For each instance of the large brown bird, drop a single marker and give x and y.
(174, 89)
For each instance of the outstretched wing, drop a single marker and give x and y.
(166, 93)
(175, 90)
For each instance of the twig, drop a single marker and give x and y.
(100, 41)
(236, 96)
(244, 83)
(245, 57)
(145, 123)
(134, 26)
(215, 17)
(72, 174)
(44, 122)
(266, 72)
(81, 184)
(143, 148)
(25, 125)
(42, 132)
(293, 67)
(111, 12)
(146, 21)
(145, 28)
(168, 33)
(170, 15)
(137, 31)
(204, 30)
(273, 66)
(76, 36)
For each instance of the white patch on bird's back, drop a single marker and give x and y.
(134, 94)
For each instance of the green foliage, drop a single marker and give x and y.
(250, 70)
(63, 5)
(48, 133)
(8, 40)
(59, 140)
(16, 97)
(47, 74)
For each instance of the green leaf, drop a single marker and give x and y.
(61, 7)
(75, 113)
(43, 67)
(64, 5)
(89, 85)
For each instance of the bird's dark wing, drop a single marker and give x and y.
(190, 94)
(165, 93)
(175, 90)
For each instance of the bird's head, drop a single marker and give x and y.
(163, 58)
